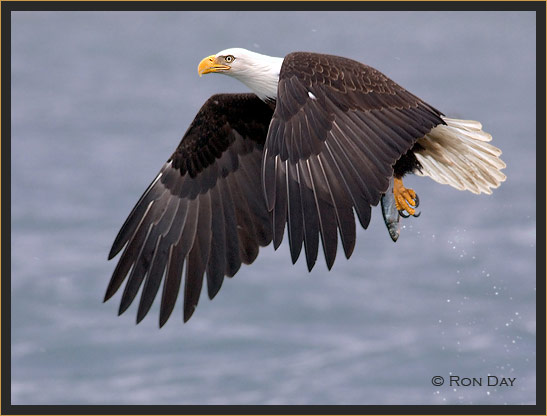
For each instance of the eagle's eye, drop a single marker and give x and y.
(229, 58)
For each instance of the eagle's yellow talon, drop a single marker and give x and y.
(405, 198)
(411, 193)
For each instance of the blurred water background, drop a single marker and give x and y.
(101, 99)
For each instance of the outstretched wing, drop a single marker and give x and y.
(205, 208)
(338, 128)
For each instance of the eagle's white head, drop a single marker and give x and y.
(259, 72)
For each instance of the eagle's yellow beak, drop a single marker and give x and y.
(210, 64)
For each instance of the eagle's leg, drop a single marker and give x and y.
(406, 200)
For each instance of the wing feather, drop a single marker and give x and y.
(295, 209)
(310, 218)
(337, 130)
(280, 209)
(205, 210)
(342, 207)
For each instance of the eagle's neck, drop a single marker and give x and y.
(261, 75)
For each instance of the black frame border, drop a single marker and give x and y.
(5, 82)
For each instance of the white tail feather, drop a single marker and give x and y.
(458, 154)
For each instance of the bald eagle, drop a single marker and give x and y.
(320, 138)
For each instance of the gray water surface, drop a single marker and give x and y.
(101, 99)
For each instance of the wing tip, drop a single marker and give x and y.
(113, 251)
(188, 312)
(140, 317)
(165, 313)
(124, 305)
(107, 296)
(310, 264)
(143, 310)
(110, 290)
(212, 290)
